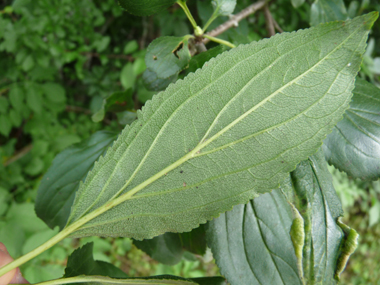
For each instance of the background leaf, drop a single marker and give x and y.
(169, 247)
(323, 11)
(81, 262)
(56, 193)
(166, 56)
(145, 7)
(223, 7)
(251, 244)
(153, 83)
(297, 3)
(211, 140)
(354, 144)
(200, 59)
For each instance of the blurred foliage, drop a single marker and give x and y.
(63, 61)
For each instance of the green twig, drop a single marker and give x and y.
(183, 5)
(212, 18)
(219, 41)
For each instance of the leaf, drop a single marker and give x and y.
(297, 3)
(131, 46)
(319, 206)
(354, 144)
(56, 192)
(4, 105)
(34, 97)
(323, 11)
(81, 262)
(127, 76)
(54, 92)
(167, 56)
(169, 247)
(153, 83)
(16, 97)
(116, 102)
(5, 125)
(223, 135)
(251, 244)
(223, 7)
(200, 59)
(166, 248)
(145, 7)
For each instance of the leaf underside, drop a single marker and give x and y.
(224, 134)
(354, 144)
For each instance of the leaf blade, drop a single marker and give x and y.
(184, 131)
(354, 142)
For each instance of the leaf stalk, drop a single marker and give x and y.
(219, 41)
(182, 4)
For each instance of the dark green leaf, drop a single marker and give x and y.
(81, 262)
(223, 135)
(166, 56)
(5, 125)
(166, 248)
(16, 97)
(200, 59)
(354, 144)
(34, 97)
(319, 206)
(169, 247)
(223, 7)
(251, 244)
(323, 11)
(3, 105)
(58, 186)
(116, 102)
(145, 7)
(15, 117)
(153, 83)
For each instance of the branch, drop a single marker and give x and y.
(235, 19)
(269, 21)
(19, 155)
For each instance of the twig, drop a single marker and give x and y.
(118, 56)
(269, 21)
(77, 109)
(236, 19)
(277, 26)
(21, 153)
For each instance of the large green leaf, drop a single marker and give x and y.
(280, 236)
(251, 244)
(319, 206)
(145, 7)
(323, 11)
(223, 135)
(354, 144)
(56, 193)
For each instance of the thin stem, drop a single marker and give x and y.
(236, 19)
(212, 18)
(107, 280)
(183, 5)
(219, 41)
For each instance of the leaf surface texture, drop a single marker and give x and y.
(223, 135)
